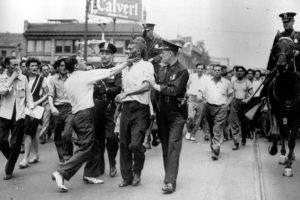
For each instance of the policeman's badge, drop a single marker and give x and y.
(295, 40)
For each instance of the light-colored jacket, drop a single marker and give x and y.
(19, 94)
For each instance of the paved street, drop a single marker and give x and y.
(234, 176)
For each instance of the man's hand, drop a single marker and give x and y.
(120, 97)
(15, 74)
(54, 111)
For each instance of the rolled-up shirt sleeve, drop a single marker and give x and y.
(51, 86)
(148, 73)
(177, 86)
(97, 74)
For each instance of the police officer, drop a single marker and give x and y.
(105, 92)
(171, 86)
(288, 23)
(152, 55)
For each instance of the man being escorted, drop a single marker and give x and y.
(171, 86)
(218, 95)
(135, 116)
(61, 110)
(79, 88)
(104, 97)
(15, 96)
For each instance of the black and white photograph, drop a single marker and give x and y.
(145, 99)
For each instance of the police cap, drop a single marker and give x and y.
(148, 26)
(107, 47)
(167, 45)
(287, 16)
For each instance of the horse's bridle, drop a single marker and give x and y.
(292, 61)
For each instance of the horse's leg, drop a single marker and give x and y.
(283, 131)
(291, 144)
(275, 135)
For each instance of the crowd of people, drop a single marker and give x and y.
(122, 107)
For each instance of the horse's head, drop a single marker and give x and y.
(284, 54)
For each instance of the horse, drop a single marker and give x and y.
(284, 101)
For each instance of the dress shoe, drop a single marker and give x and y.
(113, 172)
(23, 165)
(136, 179)
(92, 180)
(243, 141)
(206, 137)
(125, 183)
(58, 178)
(7, 177)
(188, 136)
(236, 147)
(155, 142)
(193, 138)
(168, 188)
(22, 149)
(34, 160)
(215, 155)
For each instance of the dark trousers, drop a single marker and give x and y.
(135, 119)
(104, 131)
(238, 120)
(63, 131)
(83, 125)
(216, 116)
(11, 151)
(170, 122)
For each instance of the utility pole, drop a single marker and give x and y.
(86, 29)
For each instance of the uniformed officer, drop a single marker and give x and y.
(171, 86)
(288, 23)
(152, 55)
(105, 92)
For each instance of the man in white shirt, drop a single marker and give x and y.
(15, 95)
(218, 95)
(135, 116)
(195, 102)
(79, 88)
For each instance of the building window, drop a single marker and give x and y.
(59, 46)
(31, 46)
(47, 46)
(120, 46)
(3, 53)
(39, 46)
(68, 46)
(63, 46)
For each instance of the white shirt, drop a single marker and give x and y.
(133, 77)
(194, 84)
(80, 87)
(216, 93)
(255, 85)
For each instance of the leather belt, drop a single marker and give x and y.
(214, 105)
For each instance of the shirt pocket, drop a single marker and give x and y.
(21, 92)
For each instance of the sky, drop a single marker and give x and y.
(241, 30)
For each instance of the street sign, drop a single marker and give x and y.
(123, 9)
